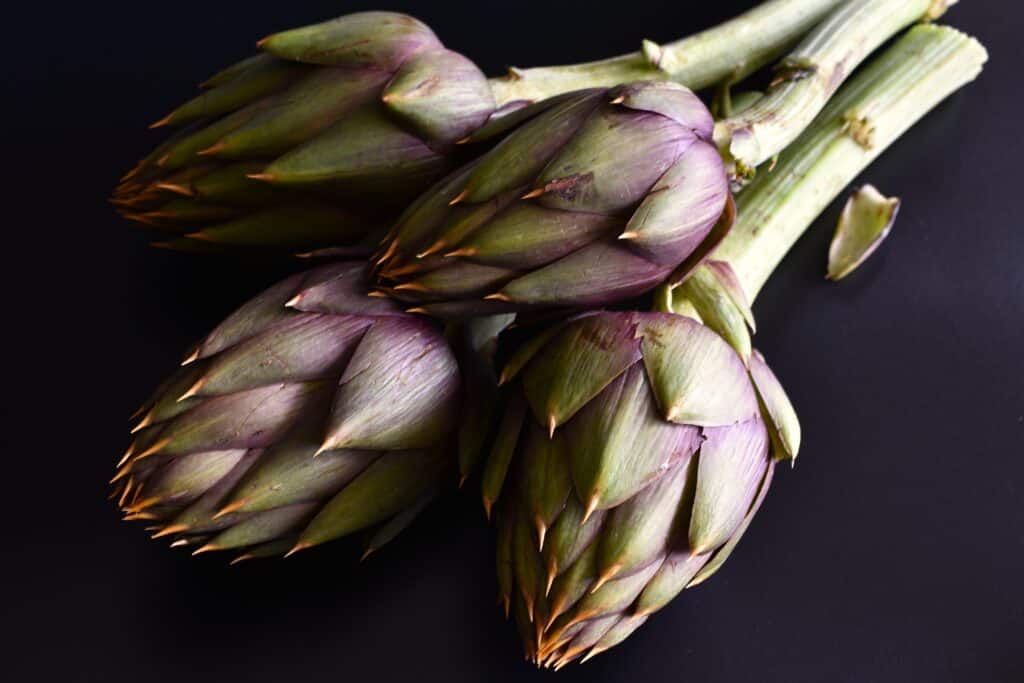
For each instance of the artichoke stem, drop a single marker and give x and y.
(914, 75)
(727, 52)
(811, 74)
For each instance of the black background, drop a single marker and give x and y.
(893, 552)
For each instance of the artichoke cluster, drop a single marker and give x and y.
(560, 313)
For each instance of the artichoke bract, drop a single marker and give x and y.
(634, 452)
(312, 412)
(596, 200)
(276, 147)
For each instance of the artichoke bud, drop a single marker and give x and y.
(312, 412)
(644, 450)
(358, 114)
(442, 95)
(597, 199)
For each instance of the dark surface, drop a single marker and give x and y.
(893, 552)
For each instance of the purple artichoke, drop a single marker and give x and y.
(312, 412)
(596, 200)
(635, 449)
(283, 149)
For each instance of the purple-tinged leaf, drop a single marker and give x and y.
(362, 39)
(460, 279)
(615, 595)
(528, 235)
(440, 94)
(722, 554)
(547, 479)
(300, 112)
(506, 442)
(704, 250)
(288, 472)
(248, 419)
(251, 318)
(698, 379)
(304, 348)
(612, 162)
(340, 289)
(596, 275)
(637, 532)
(393, 483)
(682, 207)
(673, 576)
(730, 467)
(781, 419)
(570, 536)
(358, 152)
(515, 161)
(616, 634)
(577, 364)
(731, 285)
(184, 479)
(619, 443)
(669, 99)
(399, 391)
(264, 526)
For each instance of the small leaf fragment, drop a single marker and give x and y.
(866, 220)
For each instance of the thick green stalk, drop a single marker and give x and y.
(812, 73)
(726, 53)
(863, 119)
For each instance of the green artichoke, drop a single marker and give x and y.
(312, 412)
(634, 453)
(596, 200)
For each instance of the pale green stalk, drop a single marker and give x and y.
(924, 67)
(812, 73)
(726, 53)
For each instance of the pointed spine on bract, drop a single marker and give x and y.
(664, 447)
(312, 412)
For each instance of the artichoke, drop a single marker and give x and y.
(596, 200)
(643, 447)
(368, 102)
(637, 446)
(312, 412)
(320, 139)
